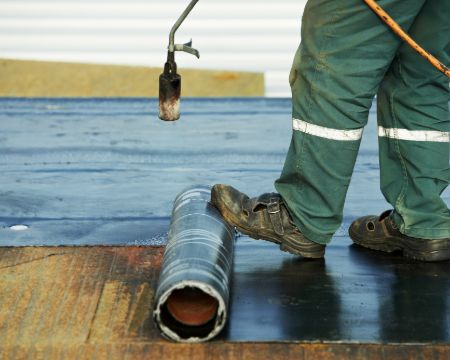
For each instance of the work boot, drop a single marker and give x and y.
(264, 217)
(381, 233)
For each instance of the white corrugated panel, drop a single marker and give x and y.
(230, 34)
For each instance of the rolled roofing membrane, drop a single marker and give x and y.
(193, 293)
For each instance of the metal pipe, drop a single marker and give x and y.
(191, 302)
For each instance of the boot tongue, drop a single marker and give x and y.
(384, 215)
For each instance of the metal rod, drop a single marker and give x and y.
(178, 23)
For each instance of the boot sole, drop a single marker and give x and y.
(430, 250)
(286, 245)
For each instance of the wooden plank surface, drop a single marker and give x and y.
(77, 295)
(233, 351)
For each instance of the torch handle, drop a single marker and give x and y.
(396, 28)
(178, 23)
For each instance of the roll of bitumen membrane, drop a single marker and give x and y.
(191, 303)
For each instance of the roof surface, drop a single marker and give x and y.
(98, 172)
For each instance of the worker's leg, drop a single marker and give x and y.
(345, 53)
(414, 129)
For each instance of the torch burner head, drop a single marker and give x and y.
(169, 92)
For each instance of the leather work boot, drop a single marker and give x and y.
(264, 217)
(381, 233)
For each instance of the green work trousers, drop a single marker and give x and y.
(346, 57)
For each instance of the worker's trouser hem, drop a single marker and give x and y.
(310, 235)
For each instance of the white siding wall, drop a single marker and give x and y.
(230, 34)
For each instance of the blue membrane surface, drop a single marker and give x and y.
(106, 171)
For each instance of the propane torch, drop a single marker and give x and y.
(170, 80)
